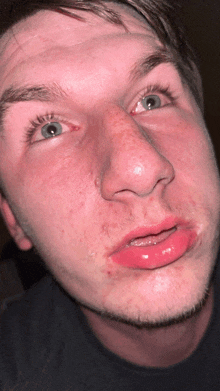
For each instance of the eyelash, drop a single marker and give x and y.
(40, 120)
(158, 89)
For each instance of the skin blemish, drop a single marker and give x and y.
(105, 229)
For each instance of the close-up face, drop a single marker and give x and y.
(107, 165)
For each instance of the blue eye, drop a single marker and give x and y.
(151, 102)
(51, 129)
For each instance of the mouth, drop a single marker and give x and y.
(154, 247)
(150, 240)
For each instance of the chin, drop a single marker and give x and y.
(159, 301)
(159, 321)
(154, 319)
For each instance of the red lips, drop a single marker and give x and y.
(154, 247)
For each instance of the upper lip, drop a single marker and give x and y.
(141, 232)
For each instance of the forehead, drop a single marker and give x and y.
(54, 25)
(49, 31)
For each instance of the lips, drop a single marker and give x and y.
(152, 239)
(154, 247)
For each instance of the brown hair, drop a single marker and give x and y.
(159, 14)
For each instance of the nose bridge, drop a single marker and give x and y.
(121, 128)
(132, 162)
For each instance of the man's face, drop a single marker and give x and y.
(115, 171)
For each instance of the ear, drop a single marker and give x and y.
(22, 241)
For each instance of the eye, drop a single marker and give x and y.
(51, 129)
(48, 126)
(155, 97)
(149, 102)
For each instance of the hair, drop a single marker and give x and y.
(159, 15)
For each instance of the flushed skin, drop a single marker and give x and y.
(116, 168)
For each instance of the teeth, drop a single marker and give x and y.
(150, 240)
(146, 241)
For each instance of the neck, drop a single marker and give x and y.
(160, 347)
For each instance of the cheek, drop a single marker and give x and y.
(53, 187)
(58, 171)
(188, 147)
(195, 190)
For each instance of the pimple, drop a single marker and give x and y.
(62, 232)
(109, 273)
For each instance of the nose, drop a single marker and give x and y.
(132, 163)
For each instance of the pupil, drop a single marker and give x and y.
(51, 129)
(150, 102)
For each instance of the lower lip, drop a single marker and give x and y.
(158, 255)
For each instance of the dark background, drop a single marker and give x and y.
(202, 21)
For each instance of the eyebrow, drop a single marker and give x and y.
(50, 93)
(41, 93)
(146, 64)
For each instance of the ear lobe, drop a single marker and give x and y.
(22, 241)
